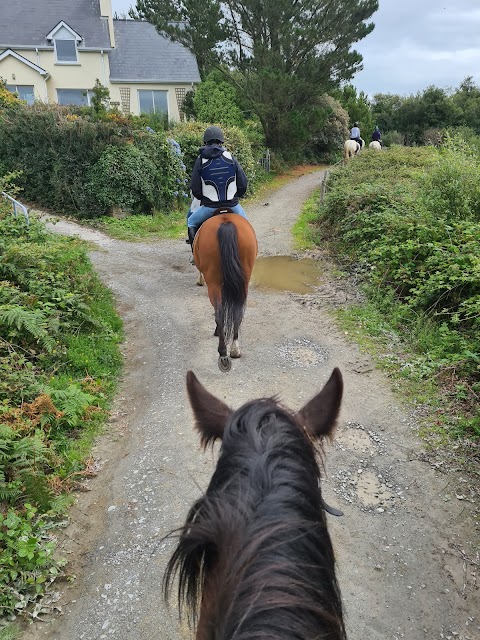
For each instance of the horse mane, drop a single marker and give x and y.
(256, 545)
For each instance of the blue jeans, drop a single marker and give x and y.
(196, 218)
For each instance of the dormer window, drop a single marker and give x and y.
(65, 41)
(65, 50)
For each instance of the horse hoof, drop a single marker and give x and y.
(235, 350)
(224, 364)
(201, 280)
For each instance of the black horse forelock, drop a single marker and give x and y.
(258, 540)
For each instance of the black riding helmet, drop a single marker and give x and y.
(213, 133)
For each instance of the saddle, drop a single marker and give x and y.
(217, 212)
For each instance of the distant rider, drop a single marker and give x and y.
(355, 134)
(217, 181)
(376, 135)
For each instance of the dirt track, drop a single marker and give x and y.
(402, 542)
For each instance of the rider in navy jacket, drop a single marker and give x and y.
(217, 181)
(227, 183)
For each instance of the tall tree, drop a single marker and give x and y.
(467, 100)
(283, 54)
(358, 107)
(197, 24)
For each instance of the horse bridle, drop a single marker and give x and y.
(331, 510)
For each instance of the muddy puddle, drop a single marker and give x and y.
(284, 273)
(371, 491)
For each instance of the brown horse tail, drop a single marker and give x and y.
(234, 287)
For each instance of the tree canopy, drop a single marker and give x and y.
(282, 54)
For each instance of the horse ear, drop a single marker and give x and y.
(319, 416)
(211, 414)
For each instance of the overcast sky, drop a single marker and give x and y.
(415, 43)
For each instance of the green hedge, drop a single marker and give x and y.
(408, 221)
(84, 165)
(59, 362)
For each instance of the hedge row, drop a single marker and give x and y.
(59, 362)
(408, 221)
(79, 164)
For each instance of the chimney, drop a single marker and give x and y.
(106, 12)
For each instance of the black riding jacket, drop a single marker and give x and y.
(218, 180)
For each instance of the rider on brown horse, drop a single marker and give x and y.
(217, 181)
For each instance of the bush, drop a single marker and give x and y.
(215, 101)
(122, 177)
(392, 137)
(408, 220)
(65, 154)
(330, 132)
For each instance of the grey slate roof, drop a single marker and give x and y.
(27, 22)
(141, 54)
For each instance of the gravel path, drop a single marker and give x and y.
(404, 543)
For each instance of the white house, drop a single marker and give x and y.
(54, 50)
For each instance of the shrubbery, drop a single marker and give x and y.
(85, 165)
(59, 358)
(409, 220)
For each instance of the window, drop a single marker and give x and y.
(66, 51)
(25, 92)
(153, 101)
(78, 97)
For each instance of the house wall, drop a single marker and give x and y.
(82, 75)
(91, 65)
(15, 72)
(173, 111)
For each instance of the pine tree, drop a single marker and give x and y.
(282, 54)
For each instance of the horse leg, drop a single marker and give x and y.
(235, 348)
(224, 362)
(201, 279)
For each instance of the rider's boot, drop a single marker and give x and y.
(191, 237)
(192, 231)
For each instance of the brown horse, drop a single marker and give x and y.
(255, 559)
(224, 250)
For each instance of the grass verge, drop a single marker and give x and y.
(404, 223)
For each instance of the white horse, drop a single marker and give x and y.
(351, 148)
(375, 145)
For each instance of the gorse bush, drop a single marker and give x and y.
(408, 221)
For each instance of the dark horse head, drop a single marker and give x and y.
(255, 560)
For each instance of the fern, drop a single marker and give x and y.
(72, 402)
(60, 503)
(22, 462)
(33, 323)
